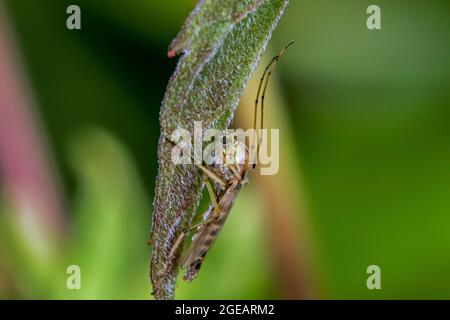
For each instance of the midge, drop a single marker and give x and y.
(227, 179)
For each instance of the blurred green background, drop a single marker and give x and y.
(365, 167)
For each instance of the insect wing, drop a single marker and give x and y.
(208, 232)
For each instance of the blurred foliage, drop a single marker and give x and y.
(370, 114)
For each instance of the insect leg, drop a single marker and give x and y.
(212, 195)
(233, 169)
(266, 76)
(231, 166)
(212, 175)
(180, 241)
(184, 233)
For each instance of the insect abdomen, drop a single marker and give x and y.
(207, 234)
(210, 236)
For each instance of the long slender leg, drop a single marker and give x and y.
(266, 75)
(185, 232)
(212, 196)
(212, 175)
(180, 241)
(209, 173)
(232, 167)
(255, 114)
(234, 170)
(177, 245)
(216, 211)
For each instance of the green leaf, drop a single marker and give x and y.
(221, 43)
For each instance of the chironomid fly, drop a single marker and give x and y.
(224, 180)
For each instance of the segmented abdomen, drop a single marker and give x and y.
(207, 233)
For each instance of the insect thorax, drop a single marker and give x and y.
(231, 163)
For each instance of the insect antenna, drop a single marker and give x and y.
(263, 86)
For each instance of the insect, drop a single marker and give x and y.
(224, 180)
